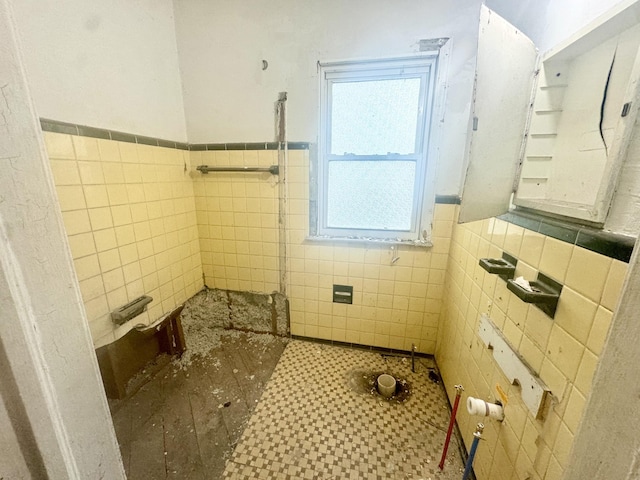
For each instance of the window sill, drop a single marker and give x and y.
(369, 241)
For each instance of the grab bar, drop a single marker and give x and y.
(273, 169)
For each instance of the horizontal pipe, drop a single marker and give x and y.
(273, 169)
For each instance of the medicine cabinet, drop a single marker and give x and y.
(552, 130)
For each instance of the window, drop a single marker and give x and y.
(372, 156)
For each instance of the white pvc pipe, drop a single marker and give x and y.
(476, 406)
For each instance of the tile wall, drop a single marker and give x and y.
(394, 305)
(130, 216)
(563, 351)
(237, 215)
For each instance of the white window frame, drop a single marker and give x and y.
(424, 67)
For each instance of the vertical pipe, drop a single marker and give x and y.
(281, 134)
(459, 390)
(413, 360)
(472, 453)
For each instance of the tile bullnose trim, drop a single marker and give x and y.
(609, 244)
(448, 199)
(55, 126)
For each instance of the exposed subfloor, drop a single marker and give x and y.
(186, 420)
(316, 418)
(319, 419)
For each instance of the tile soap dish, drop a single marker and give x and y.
(504, 267)
(545, 294)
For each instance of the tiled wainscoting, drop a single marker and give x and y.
(130, 216)
(563, 351)
(238, 220)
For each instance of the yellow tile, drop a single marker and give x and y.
(554, 378)
(565, 352)
(117, 298)
(82, 245)
(76, 221)
(86, 148)
(87, 267)
(96, 196)
(117, 194)
(562, 446)
(585, 372)
(132, 272)
(613, 285)
(96, 308)
(113, 280)
(71, 197)
(135, 193)
(444, 212)
(531, 248)
(128, 152)
(128, 253)
(587, 273)
(554, 470)
(121, 215)
(109, 151)
(109, 260)
(65, 172)
(59, 145)
(575, 314)
(91, 173)
(555, 259)
(125, 235)
(91, 288)
(575, 407)
(538, 327)
(131, 173)
(105, 239)
(599, 330)
(499, 232)
(513, 240)
(112, 172)
(100, 218)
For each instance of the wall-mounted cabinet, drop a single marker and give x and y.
(561, 126)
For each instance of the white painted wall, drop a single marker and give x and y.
(229, 98)
(548, 22)
(109, 64)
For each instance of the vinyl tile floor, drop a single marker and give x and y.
(318, 418)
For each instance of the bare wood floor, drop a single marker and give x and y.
(185, 422)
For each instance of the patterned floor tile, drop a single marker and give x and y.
(317, 420)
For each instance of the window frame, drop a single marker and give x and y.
(424, 67)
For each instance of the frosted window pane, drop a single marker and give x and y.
(371, 195)
(374, 117)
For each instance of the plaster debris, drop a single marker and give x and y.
(208, 319)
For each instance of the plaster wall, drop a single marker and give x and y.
(229, 98)
(111, 65)
(548, 22)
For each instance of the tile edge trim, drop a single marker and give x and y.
(55, 126)
(609, 244)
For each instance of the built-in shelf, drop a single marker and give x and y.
(504, 267)
(549, 110)
(545, 294)
(543, 135)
